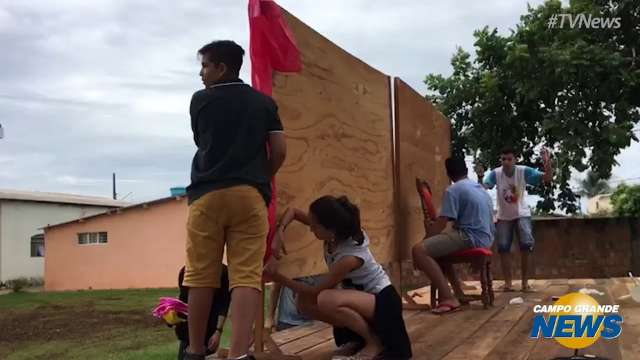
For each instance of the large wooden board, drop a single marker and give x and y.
(423, 136)
(336, 114)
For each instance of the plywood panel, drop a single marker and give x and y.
(336, 115)
(423, 136)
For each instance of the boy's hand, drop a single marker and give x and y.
(214, 341)
(548, 165)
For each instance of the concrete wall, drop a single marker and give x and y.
(19, 221)
(570, 248)
(145, 249)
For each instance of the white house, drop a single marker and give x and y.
(599, 204)
(24, 214)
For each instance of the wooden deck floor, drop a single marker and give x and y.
(501, 332)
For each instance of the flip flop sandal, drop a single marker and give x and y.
(445, 309)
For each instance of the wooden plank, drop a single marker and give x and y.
(437, 335)
(336, 113)
(322, 351)
(546, 349)
(486, 337)
(407, 314)
(422, 145)
(267, 356)
(307, 342)
(480, 343)
(271, 345)
(603, 347)
(294, 333)
(516, 344)
(630, 310)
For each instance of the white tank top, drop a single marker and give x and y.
(511, 192)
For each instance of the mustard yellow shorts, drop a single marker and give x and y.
(237, 217)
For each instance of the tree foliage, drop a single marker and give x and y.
(574, 90)
(626, 200)
(593, 185)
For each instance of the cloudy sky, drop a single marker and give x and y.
(88, 88)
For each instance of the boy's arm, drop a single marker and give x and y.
(278, 144)
(534, 176)
(277, 140)
(490, 180)
(448, 212)
(435, 227)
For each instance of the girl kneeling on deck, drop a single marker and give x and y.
(366, 310)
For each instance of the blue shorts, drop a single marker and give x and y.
(505, 230)
(288, 314)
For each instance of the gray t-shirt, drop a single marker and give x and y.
(370, 277)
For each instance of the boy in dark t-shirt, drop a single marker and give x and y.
(233, 127)
(217, 316)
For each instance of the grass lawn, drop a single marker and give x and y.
(114, 324)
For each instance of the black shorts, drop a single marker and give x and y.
(388, 325)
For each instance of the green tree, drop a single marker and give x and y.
(626, 200)
(576, 91)
(593, 185)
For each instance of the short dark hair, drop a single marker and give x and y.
(456, 167)
(340, 216)
(224, 51)
(508, 150)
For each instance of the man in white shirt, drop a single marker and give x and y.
(513, 212)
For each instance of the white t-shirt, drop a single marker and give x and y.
(370, 277)
(511, 191)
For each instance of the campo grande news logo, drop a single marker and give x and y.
(577, 321)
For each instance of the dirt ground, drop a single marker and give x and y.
(52, 322)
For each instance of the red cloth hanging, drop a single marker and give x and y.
(272, 47)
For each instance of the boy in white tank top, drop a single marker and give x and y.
(510, 181)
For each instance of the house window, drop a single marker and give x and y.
(92, 238)
(37, 245)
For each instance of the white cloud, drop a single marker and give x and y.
(88, 88)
